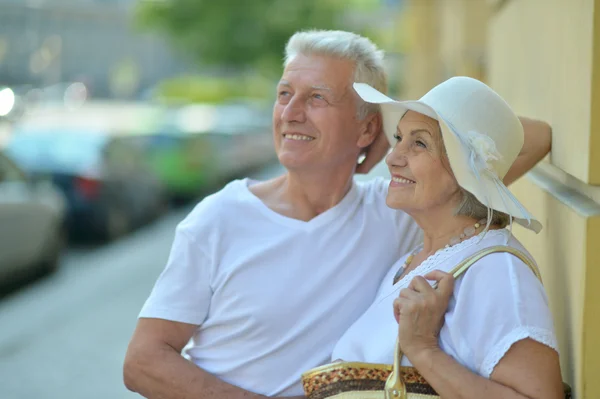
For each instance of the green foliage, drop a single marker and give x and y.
(215, 90)
(245, 34)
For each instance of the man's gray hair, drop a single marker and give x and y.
(472, 207)
(347, 45)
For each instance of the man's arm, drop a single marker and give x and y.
(537, 144)
(155, 369)
(374, 154)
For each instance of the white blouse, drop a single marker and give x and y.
(496, 303)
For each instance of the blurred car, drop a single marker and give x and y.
(185, 164)
(201, 146)
(32, 213)
(109, 189)
(243, 137)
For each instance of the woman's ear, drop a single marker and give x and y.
(371, 127)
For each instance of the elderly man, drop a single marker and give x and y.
(264, 277)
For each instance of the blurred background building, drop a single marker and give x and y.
(543, 57)
(47, 42)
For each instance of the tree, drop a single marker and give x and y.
(237, 33)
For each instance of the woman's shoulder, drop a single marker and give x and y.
(501, 278)
(497, 302)
(502, 253)
(446, 258)
(501, 242)
(505, 258)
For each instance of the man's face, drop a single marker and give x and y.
(315, 122)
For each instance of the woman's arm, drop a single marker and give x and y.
(529, 370)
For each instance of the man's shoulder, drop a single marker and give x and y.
(374, 189)
(373, 194)
(214, 207)
(399, 227)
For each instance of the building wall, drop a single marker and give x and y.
(63, 41)
(546, 65)
(543, 57)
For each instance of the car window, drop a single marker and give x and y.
(9, 172)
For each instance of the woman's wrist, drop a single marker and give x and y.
(423, 357)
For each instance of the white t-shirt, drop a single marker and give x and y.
(271, 294)
(496, 303)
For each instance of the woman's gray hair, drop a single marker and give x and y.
(347, 45)
(470, 206)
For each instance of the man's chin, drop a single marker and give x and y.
(294, 164)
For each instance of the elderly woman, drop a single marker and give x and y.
(489, 334)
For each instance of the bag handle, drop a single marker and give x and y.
(394, 386)
(464, 265)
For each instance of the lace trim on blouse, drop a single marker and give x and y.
(540, 335)
(432, 261)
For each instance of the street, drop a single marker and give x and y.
(65, 336)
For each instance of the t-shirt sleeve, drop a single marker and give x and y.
(499, 301)
(182, 292)
(408, 231)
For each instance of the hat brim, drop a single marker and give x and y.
(485, 189)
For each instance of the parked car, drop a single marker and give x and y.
(32, 234)
(185, 164)
(196, 148)
(108, 186)
(201, 146)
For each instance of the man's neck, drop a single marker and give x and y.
(303, 196)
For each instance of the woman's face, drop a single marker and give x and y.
(421, 176)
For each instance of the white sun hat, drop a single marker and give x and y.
(481, 133)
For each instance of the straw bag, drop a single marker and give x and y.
(357, 380)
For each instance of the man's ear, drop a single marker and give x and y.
(371, 127)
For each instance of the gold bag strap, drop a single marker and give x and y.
(394, 386)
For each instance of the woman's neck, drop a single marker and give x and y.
(436, 239)
(439, 228)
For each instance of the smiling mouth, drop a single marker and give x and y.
(298, 137)
(402, 180)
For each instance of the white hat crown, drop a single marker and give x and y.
(468, 105)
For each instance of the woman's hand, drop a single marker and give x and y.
(420, 310)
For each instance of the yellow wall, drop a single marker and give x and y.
(445, 38)
(594, 165)
(424, 63)
(543, 57)
(544, 61)
(565, 251)
(590, 384)
(463, 24)
(546, 52)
